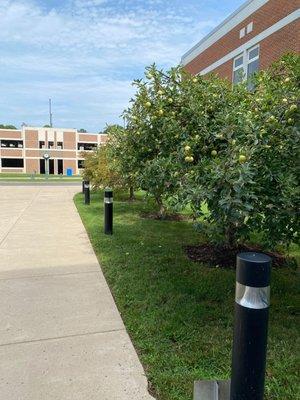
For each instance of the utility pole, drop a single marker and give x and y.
(50, 113)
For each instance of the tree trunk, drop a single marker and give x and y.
(131, 193)
(162, 210)
(230, 236)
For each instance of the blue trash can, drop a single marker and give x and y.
(69, 171)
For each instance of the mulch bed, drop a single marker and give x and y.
(167, 217)
(224, 257)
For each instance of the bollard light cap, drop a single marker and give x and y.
(108, 192)
(253, 269)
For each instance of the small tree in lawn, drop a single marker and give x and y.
(120, 157)
(98, 169)
(153, 133)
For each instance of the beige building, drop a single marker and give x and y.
(34, 150)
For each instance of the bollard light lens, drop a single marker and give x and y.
(108, 200)
(252, 297)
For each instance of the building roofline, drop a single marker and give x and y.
(59, 129)
(196, 49)
(54, 128)
(47, 128)
(10, 129)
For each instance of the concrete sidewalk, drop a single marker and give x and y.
(61, 336)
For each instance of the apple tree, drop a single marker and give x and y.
(245, 169)
(154, 134)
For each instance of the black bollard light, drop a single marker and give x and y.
(252, 300)
(108, 212)
(83, 186)
(87, 197)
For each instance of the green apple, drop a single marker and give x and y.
(214, 153)
(187, 148)
(148, 104)
(160, 112)
(189, 159)
(293, 107)
(170, 100)
(242, 158)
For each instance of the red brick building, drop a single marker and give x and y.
(251, 38)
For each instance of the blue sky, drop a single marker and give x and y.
(84, 54)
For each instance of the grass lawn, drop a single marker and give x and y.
(19, 177)
(179, 314)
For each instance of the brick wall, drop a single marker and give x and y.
(263, 18)
(70, 164)
(70, 140)
(283, 41)
(10, 134)
(32, 166)
(224, 70)
(87, 138)
(271, 49)
(31, 139)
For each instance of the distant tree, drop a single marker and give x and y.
(7, 126)
(82, 130)
(99, 170)
(47, 126)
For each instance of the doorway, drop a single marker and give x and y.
(60, 168)
(51, 166)
(42, 166)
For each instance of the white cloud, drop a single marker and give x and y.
(88, 50)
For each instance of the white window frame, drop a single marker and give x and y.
(246, 61)
(249, 28)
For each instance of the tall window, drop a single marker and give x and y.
(246, 64)
(238, 69)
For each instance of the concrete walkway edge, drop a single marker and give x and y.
(61, 335)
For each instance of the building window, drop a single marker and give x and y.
(12, 144)
(80, 164)
(60, 145)
(252, 61)
(245, 65)
(242, 33)
(238, 69)
(249, 28)
(41, 144)
(50, 145)
(86, 146)
(12, 162)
